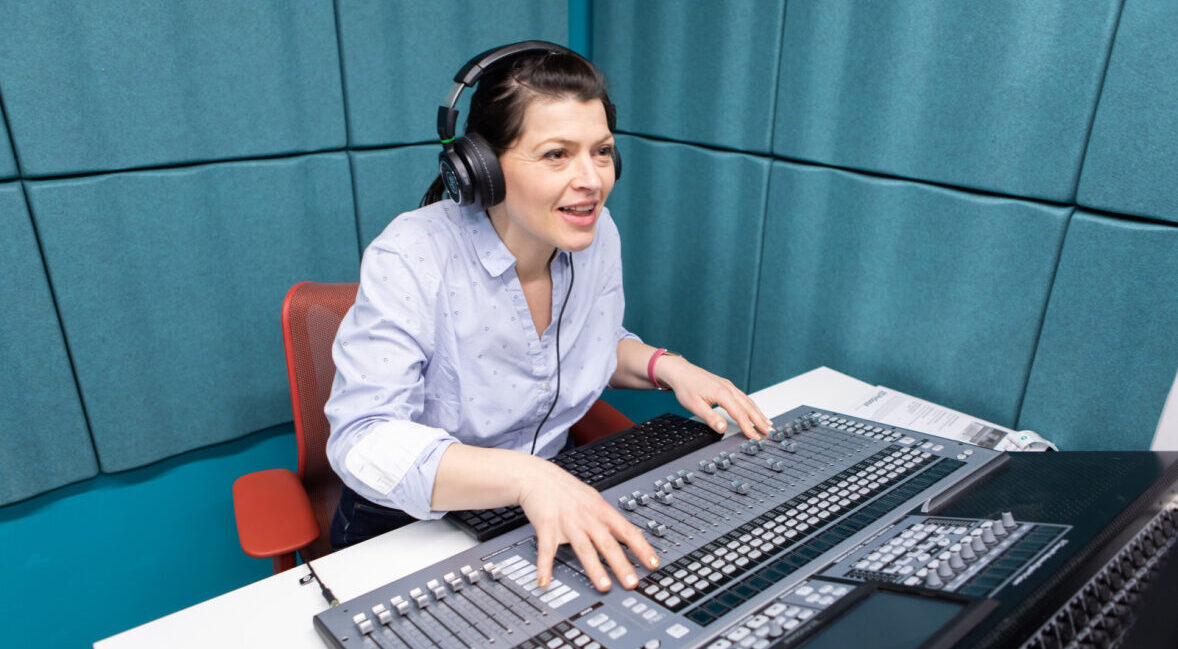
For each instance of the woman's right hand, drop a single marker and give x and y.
(566, 510)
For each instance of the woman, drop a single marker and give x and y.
(449, 389)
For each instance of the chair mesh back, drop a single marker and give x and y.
(310, 319)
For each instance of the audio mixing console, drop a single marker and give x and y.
(832, 528)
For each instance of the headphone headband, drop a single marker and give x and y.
(467, 165)
(473, 70)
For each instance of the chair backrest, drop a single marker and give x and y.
(311, 315)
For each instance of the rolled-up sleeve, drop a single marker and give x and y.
(383, 345)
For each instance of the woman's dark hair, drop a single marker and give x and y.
(507, 87)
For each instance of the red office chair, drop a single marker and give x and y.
(279, 512)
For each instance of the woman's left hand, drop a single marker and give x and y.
(698, 390)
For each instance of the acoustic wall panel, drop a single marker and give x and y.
(691, 250)
(400, 58)
(695, 71)
(1130, 164)
(1109, 346)
(995, 96)
(390, 182)
(7, 162)
(935, 292)
(93, 86)
(170, 285)
(44, 442)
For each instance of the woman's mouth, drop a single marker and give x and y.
(581, 214)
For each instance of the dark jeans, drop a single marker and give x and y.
(358, 519)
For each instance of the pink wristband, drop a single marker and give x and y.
(650, 368)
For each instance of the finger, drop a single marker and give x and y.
(751, 418)
(763, 424)
(608, 547)
(738, 411)
(587, 554)
(632, 536)
(545, 553)
(702, 408)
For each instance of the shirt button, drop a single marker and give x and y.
(544, 386)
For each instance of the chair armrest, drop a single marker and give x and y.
(601, 420)
(274, 515)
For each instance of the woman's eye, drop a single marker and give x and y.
(606, 150)
(555, 154)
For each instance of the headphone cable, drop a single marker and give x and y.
(572, 276)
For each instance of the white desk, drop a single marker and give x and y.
(277, 611)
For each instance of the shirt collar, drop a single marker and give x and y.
(492, 252)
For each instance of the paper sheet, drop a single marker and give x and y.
(889, 406)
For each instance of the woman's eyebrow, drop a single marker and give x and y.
(563, 141)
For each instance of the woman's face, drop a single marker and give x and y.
(558, 175)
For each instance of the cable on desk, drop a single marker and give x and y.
(327, 594)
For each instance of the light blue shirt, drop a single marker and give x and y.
(440, 347)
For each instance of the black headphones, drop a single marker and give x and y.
(468, 165)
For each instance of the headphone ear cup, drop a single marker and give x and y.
(456, 177)
(488, 185)
(617, 161)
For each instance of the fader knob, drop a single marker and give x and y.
(944, 570)
(400, 605)
(955, 561)
(998, 529)
(472, 575)
(363, 623)
(420, 597)
(382, 614)
(656, 528)
(1008, 520)
(493, 570)
(967, 553)
(977, 546)
(707, 467)
(453, 581)
(988, 537)
(666, 498)
(790, 447)
(436, 588)
(932, 580)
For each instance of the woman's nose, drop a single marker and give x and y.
(587, 174)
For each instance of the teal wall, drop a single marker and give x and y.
(970, 202)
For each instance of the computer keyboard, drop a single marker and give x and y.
(604, 463)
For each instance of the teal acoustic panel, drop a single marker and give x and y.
(1109, 346)
(935, 292)
(691, 249)
(693, 71)
(93, 86)
(44, 442)
(396, 83)
(7, 162)
(170, 285)
(996, 96)
(1130, 164)
(389, 182)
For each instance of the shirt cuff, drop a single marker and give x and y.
(395, 463)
